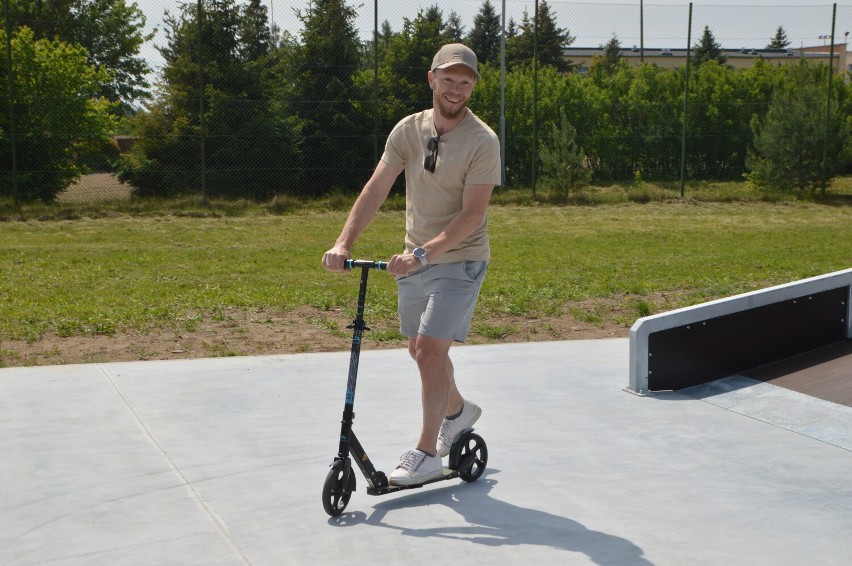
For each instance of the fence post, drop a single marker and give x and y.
(685, 104)
(201, 101)
(13, 131)
(535, 99)
(828, 101)
(641, 32)
(376, 154)
(503, 96)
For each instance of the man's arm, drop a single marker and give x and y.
(375, 193)
(474, 206)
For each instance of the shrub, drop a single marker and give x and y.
(563, 162)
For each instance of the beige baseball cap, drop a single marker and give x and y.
(455, 54)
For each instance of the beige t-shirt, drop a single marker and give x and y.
(467, 155)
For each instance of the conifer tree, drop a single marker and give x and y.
(707, 49)
(780, 40)
(563, 162)
(790, 142)
(255, 35)
(330, 56)
(250, 146)
(454, 29)
(551, 41)
(484, 37)
(612, 56)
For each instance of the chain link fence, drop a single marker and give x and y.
(262, 98)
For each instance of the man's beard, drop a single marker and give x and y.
(449, 113)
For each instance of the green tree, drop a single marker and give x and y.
(780, 40)
(485, 35)
(454, 29)
(790, 142)
(111, 31)
(520, 47)
(385, 33)
(250, 142)
(551, 41)
(563, 163)
(556, 92)
(654, 101)
(632, 123)
(720, 109)
(707, 49)
(255, 35)
(59, 113)
(611, 60)
(337, 152)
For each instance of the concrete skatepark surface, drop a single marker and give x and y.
(222, 461)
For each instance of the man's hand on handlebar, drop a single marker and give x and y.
(338, 260)
(401, 265)
(335, 260)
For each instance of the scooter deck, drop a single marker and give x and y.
(448, 474)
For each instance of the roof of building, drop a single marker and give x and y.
(743, 52)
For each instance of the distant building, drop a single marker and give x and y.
(738, 58)
(840, 51)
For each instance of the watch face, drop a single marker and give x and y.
(419, 253)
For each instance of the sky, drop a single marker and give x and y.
(734, 24)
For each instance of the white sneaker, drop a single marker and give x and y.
(452, 429)
(416, 467)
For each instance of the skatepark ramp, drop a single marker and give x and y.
(721, 338)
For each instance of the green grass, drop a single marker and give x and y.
(121, 271)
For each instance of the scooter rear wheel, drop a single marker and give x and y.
(336, 491)
(473, 456)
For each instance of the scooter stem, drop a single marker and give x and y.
(358, 327)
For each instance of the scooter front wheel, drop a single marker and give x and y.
(472, 456)
(337, 489)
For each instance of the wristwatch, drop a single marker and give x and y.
(420, 254)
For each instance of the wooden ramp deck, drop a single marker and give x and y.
(825, 373)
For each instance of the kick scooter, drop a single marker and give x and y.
(468, 455)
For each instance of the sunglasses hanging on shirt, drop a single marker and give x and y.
(432, 159)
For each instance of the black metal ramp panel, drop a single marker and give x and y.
(722, 346)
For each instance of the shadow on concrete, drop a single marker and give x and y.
(491, 522)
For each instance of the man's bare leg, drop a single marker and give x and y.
(440, 396)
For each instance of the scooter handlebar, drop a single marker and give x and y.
(364, 263)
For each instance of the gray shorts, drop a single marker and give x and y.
(438, 301)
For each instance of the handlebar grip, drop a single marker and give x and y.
(366, 264)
